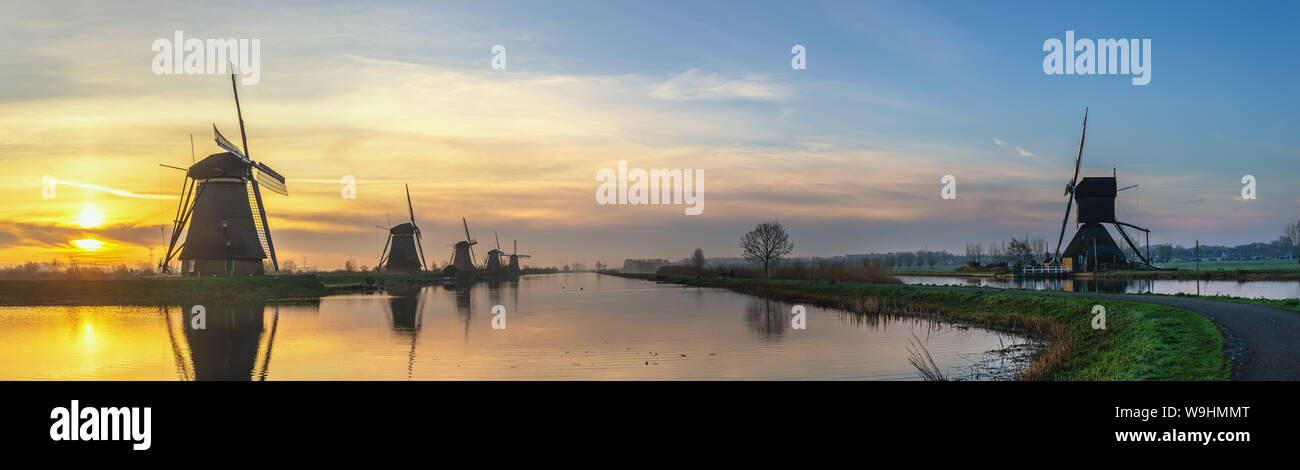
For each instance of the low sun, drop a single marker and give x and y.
(90, 217)
(88, 244)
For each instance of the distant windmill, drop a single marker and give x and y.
(403, 251)
(462, 255)
(514, 259)
(1092, 245)
(493, 262)
(221, 211)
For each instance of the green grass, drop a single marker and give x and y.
(152, 291)
(1281, 265)
(1141, 341)
(157, 290)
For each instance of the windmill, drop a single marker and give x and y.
(221, 211)
(514, 259)
(493, 262)
(1092, 244)
(403, 251)
(462, 255)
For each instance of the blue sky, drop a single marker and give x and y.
(848, 153)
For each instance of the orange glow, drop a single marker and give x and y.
(88, 244)
(90, 217)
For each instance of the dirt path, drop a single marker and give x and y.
(1264, 342)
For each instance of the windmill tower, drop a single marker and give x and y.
(1092, 246)
(221, 212)
(462, 255)
(514, 259)
(493, 262)
(403, 251)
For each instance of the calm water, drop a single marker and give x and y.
(1247, 289)
(563, 326)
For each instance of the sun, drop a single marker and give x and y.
(90, 217)
(88, 244)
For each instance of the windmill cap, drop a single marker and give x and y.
(219, 165)
(404, 228)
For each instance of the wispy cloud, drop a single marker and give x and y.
(1019, 150)
(696, 85)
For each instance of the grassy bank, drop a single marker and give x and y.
(1140, 342)
(157, 290)
(152, 291)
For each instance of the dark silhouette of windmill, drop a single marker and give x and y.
(403, 251)
(493, 262)
(1092, 246)
(513, 268)
(221, 212)
(462, 255)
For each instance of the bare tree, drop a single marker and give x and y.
(767, 244)
(1292, 234)
(697, 260)
(1019, 251)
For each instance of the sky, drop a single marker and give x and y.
(847, 153)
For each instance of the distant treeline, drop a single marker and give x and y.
(1276, 249)
(59, 270)
(821, 269)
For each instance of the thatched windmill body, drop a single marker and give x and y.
(514, 259)
(221, 212)
(462, 254)
(403, 251)
(493, 262)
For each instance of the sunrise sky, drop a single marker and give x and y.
(848, 153)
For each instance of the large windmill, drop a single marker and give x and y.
(403, 251)
(221, 212)
(462, 255)
(1092, 246)
(514, 259)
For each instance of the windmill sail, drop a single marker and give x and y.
(269, 179)
(254, 205)
(227, 145)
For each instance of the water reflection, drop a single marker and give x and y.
(575, 327)
(223, 341)
(407, 314)
(766, 318)
(1234, 288)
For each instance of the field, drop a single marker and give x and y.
(1277, 265)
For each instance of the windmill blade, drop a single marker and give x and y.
(383, 255)
(259, 222)
(420, 246)
(228, 146)
(1068, 205)
(1079, 158)
(270, 179)
(1126, 187)
(494, 235)
(408, 204)
(468, 239)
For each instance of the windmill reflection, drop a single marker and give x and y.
(225, 343)
(766, 319)
(406, 309)
(463, 302)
